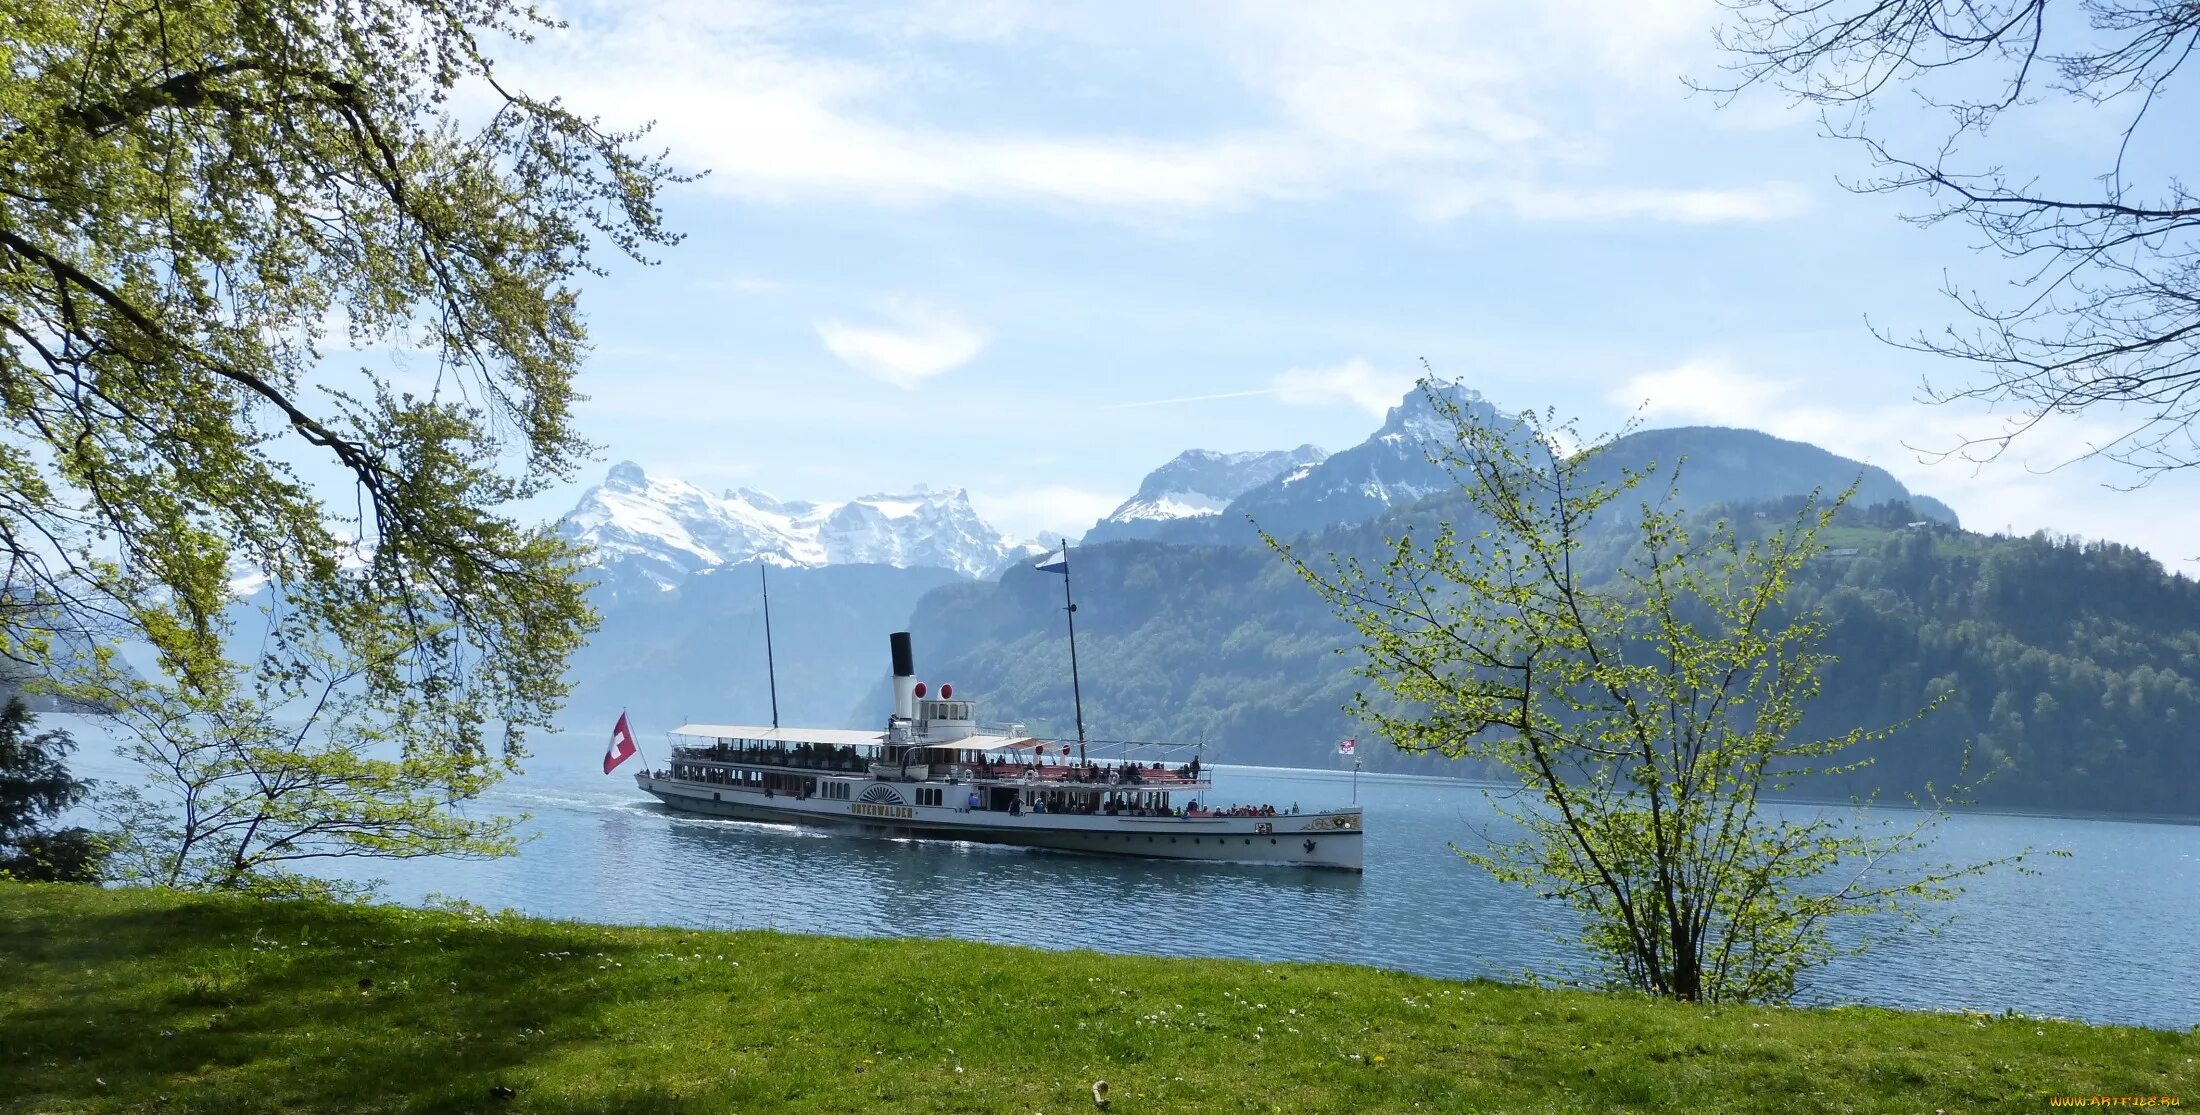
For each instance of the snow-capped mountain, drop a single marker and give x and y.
(656, 531)
(1390, 468)
(1197, 483)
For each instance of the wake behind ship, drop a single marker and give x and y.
(935, 772)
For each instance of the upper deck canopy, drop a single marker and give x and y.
(847, 737)
(832, 737)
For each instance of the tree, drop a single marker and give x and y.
(255, 776)
(1646, 714)
(198, 204)
(35, 788)
(2103, 316)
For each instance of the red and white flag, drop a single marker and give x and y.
(1344, 746)
(622, 745)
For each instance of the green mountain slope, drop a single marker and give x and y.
(2076, 666)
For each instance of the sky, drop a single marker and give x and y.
(1035, 250)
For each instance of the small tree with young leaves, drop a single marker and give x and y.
(252, 777)
(1648, 710)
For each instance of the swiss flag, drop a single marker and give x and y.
(622, 745)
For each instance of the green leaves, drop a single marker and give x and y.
(197, 203)
(1645, 700)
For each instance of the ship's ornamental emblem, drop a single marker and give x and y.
(883, 795)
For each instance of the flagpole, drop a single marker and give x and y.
(771, 669)
(1076, 691)
(637, 739)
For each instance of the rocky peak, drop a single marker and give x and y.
(1197, 483)
(651, 533)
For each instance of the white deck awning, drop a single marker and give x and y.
(984, 743)
(831, 737)
(848, 737)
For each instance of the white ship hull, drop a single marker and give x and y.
(1329, 839)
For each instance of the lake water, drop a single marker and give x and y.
(2109, 934)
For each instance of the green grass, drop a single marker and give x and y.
(146, 1001)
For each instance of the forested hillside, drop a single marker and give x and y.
(2073, 667)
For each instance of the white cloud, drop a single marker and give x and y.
(1536, 202)
(1702, 391)
(920, 341)
(1354, 382)
(1062, 508)
(1445, 108)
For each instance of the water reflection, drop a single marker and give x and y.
(876, 886)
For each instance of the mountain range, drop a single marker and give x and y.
(650, 533)
(2067, 671)
(1192, 630)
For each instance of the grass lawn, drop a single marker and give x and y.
(146, 1001)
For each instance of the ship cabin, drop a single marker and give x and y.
(953, 760)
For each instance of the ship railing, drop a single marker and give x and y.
(778, 760)
(1061, 777)
(895, 772)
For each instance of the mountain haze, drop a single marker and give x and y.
(695, 652)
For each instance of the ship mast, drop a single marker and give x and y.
(1077, 695)
(771, 669)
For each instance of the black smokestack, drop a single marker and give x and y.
(905, 660)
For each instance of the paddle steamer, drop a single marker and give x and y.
(935, 772)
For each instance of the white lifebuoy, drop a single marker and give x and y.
(1115, 778)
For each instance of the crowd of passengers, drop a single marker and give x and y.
(1132, 807)
(819, 756)
(1122, 773)
(808, 756)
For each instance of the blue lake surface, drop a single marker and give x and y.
(2110, 933)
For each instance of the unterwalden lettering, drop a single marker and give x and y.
(866, 809)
